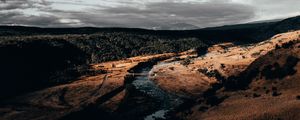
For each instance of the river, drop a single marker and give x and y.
(150, 101)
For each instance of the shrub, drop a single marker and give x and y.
(171, 68)
(223, 66)
(255, 95)
(255, 54)
(201, 50)
(275, 94)
(277, 47)
(186, 61)
(298, 97)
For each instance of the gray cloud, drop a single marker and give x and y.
(14, 5)
(20, 19)
(170, 13)
(12, 12)
(161, 14)
(166, 14)
(270, 9)
(23, 4)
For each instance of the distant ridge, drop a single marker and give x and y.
(251, 32)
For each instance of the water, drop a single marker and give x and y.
(165, 101)
(158, 114)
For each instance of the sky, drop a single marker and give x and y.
(149, 14)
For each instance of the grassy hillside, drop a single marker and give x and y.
(270, 85)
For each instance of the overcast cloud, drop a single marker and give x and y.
(151, 14)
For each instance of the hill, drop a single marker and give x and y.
(272, 85)
(62, 71)
(263, 89)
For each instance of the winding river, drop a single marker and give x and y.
(151, 101)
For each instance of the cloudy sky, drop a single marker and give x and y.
(152, 14)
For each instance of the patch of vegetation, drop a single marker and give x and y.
(289, 44)
(223, 66)
(255, 54)
(114, 46)
(255, 95)
(276, 71)
(201, 50)
(298, 97)
(172, 68)
(186, 61)
(275, 93)
(203, 108)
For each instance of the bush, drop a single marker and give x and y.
(223, 66)
(186, 61)
(201, 50)
(298, 97)
(255, 95)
